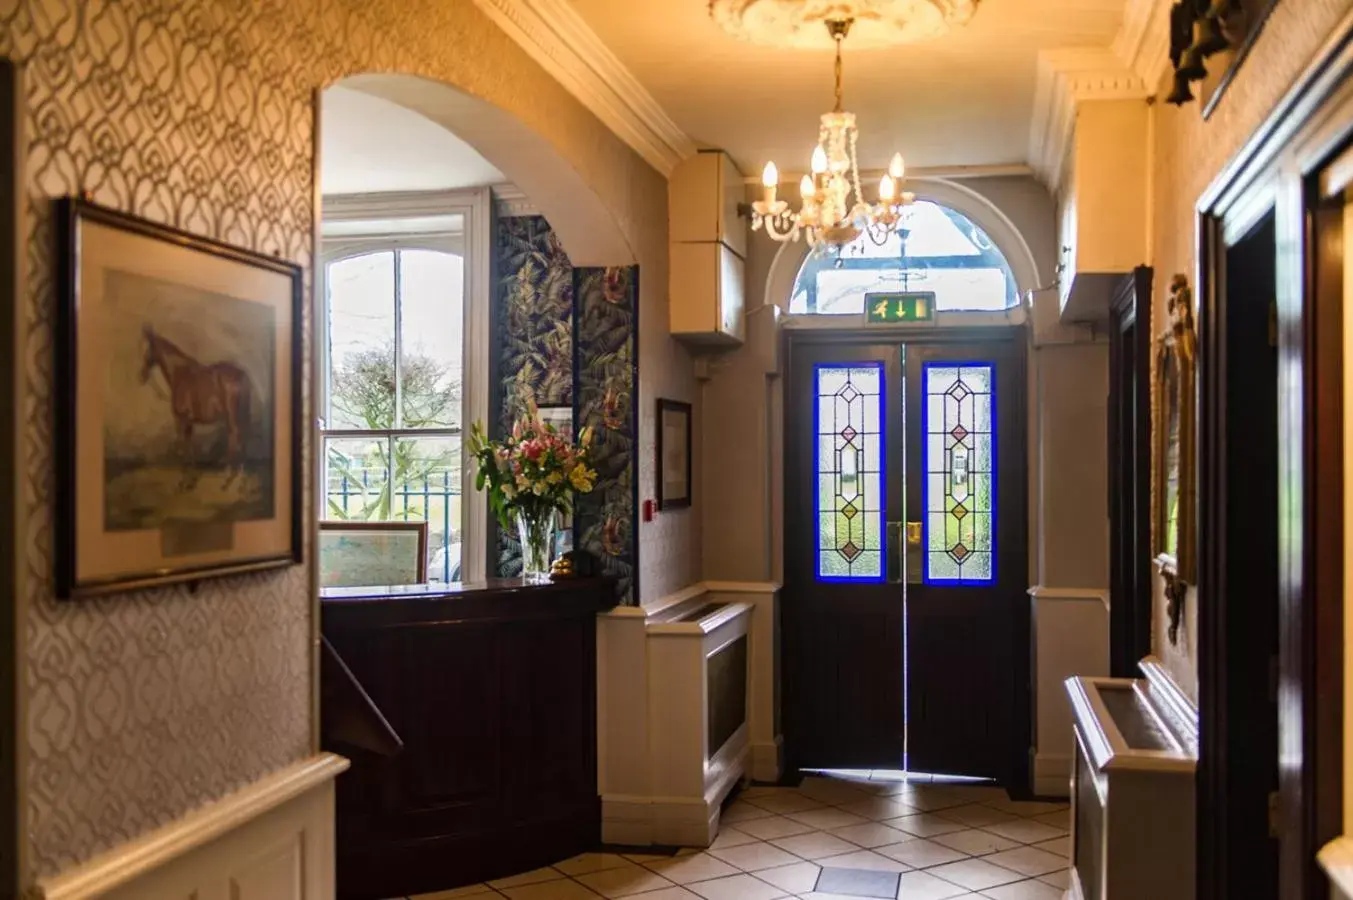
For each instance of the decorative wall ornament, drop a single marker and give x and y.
(1201, 30)
(1174, 458)
(879, 23)
(606, 344)
(674, 454)
(179, 367)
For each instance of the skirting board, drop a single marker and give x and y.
(670, 821)
(1052, 775)
(768, 760)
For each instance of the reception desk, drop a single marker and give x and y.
(479, 754)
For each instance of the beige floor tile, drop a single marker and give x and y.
(831, 791)
(564, 889)
(1033, 889)
(455, 893)
(730, 837)
(696, 867)
(742, 811)
(1026, 831)
(1061, 846)
(631, 879)
(924, 825)
(533, 877)
(671, 893)
(975, 842)
(1027, 808)
(929, 798)
(1028, 861)
(815, 845)
(791, 802)
(924, 886)
(763, 790)
(751, 857)
(823, 819)
(647, 857)
(864, 859)
(1059, 819)
(975, 874)
(823, 895)
(977, 815)
(1060, 879)
(591, 862)
(773, 827)
(877, 809)
(796, 879)
(872, 834)
(882, 788)
(921, 853)
(737, 887)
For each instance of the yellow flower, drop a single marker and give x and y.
(581, 478)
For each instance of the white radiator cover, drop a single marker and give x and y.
(272, 840)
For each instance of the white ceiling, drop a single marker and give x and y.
(370, 145)
(964, 99)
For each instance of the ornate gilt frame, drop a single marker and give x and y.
(1178, 342)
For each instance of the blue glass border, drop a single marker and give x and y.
(883, 472)
(925, 475)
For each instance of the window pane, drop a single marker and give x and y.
(357, 479)
(960, 476)
(427, 489)
(361, 300)
(432, 289)
(841, 291)
(849, 464)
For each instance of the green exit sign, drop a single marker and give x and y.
(893, 309)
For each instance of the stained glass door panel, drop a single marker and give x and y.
(960, 476)
(849, 465)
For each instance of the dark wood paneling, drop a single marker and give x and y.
(492, 689)
(11, 153)
(1130, 473)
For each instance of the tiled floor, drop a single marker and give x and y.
(852, 835)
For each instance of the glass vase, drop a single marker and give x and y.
(535, 530)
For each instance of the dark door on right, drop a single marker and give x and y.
(967, 620)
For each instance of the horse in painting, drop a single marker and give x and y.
(201, 394)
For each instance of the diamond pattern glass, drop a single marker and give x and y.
(960, 474)
(849, 464)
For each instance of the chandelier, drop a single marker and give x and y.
(834, 211)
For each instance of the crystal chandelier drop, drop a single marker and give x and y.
(834, 211)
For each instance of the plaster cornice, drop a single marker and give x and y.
(1065, 79)
(558, 38)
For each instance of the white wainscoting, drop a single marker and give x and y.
(1071, 637)
(272, 840)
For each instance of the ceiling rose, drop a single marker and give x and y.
(878, 23)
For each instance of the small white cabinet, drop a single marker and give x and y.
(708, 245)
(1102, 205)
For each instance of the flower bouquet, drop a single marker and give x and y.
(531, 477)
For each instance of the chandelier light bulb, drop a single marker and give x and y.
(896, 168)
(770, 176)
(819, 160)
(887, 189)
(806, 187)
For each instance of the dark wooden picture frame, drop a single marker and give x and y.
(420, 528)
(666, 499)
(208, 397)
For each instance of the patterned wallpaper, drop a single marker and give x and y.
(605, 345)
(199, 113)
(532, 333)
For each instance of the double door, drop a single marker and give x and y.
(906, 624)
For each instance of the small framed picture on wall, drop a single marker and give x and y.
(674, 454)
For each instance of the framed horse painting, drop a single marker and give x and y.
(179, 405)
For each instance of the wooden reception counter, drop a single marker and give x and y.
(469, 714)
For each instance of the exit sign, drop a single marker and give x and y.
(893, 309)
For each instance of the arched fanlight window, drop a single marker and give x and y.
(937, 249)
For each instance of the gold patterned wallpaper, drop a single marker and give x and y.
(199, 113)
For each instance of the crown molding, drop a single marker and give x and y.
(1066, 78)
(566, 47)
(1007, 170)
(509, 201)
(1143, 40)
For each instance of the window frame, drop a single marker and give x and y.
(475, 245)
(990, 257)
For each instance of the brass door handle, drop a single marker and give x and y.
(914, 534)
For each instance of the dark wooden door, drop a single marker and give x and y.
(844, 597)
(968, 652)
(1130, 474)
